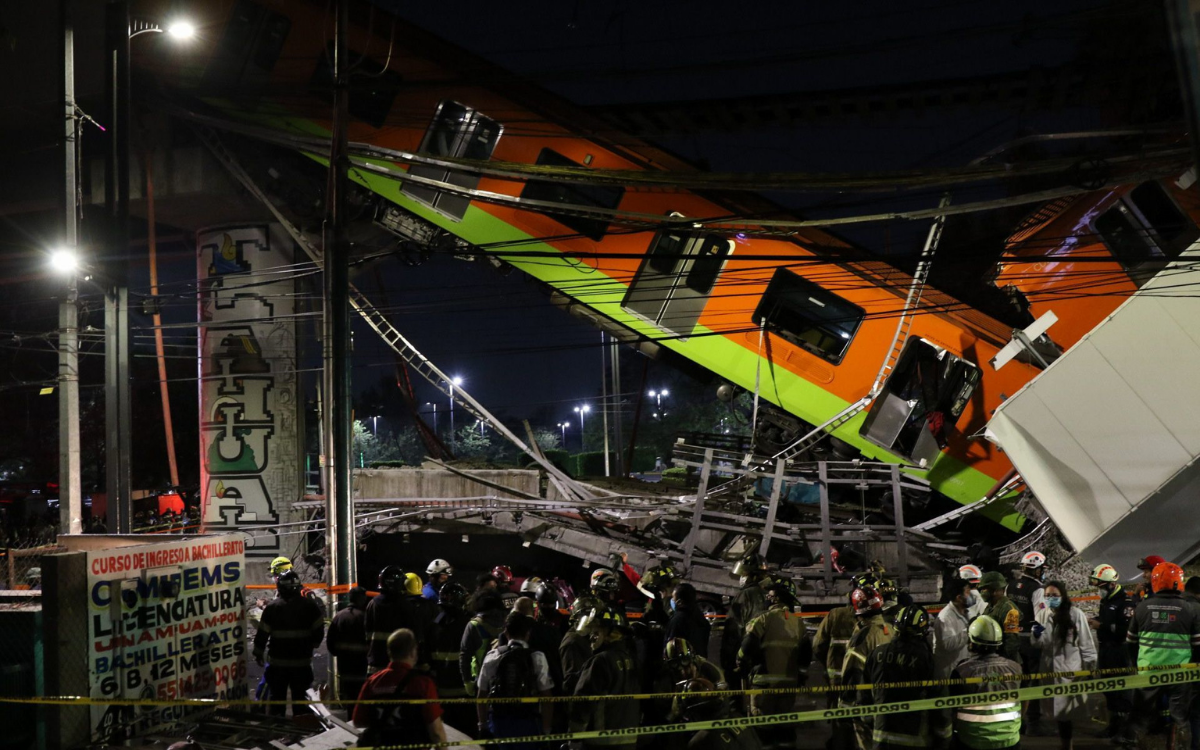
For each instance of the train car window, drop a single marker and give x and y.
(708, 264)
(600, 196)
(1160, 212)
(269, 43)
(810, 317)
(371, 96)
(921, 401)
(1126, 239)
(460, 132)
(666, 251)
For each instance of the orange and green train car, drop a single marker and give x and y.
(703, 295)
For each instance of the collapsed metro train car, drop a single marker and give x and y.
(807, 318)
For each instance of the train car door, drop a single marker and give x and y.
(460, 132)
(675, 279)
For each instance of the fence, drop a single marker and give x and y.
(23, 566)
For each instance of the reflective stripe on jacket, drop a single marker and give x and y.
(988, 726)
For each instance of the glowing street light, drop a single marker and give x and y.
(181, 29)
(581, 411)
(563, 426)
(64, 261)
(456, 380)
(658, 396)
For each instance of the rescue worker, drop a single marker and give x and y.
(347, 642)
(548, 603)
(890, 591)
(1111, 624)
(680, 665)
(628, 578)
(515, 670)
(503, 576)
(696, 706)
(1029, 597)
(290, 629)
(972, 574)
(775, 653)
(609, 672)
(906, 658)
(1164, 631)
(658, 585)
(279, 565)
(833, 634)
(445, 638)
(993, 587)
(749, 603)
(950, 639)
(439, 571)
(485, 627)
(399, 723)
(604, 586)
(687, 621)
(871, 631)
(576, 646)
(988, 726)
(1147, 565)
(387, 613)
(426, 609)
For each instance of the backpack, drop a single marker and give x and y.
(515, 677)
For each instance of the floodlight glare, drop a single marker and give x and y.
(181, 30)
(64, 261)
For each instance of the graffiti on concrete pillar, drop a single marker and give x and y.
(250, 473)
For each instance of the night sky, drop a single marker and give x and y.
(517, 354)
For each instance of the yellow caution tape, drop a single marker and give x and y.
(1163, 679)
(1083, 674)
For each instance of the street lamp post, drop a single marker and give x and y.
(375, 426)
(658, 397)
(456, 380)
(120, 28)
(581, 411)
(430, 403)
(563, 427)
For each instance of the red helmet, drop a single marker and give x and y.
(503, 575)
(1150, 562)
(1166, 577)
(866, 601)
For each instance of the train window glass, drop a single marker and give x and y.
(708, 263)
(1160, 212)
(666, 251)
(810, 317)
(460, 132)
(224, 70)
(1125, 238)
(600, 196)
(370, 97)
(921, 401)
(269, 43)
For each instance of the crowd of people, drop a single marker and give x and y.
(513, 641)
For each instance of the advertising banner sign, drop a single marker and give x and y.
(165, 620)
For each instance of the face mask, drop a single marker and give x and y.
(1053, 602)
(672, 605)
(972, 599)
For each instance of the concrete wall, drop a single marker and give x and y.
(379, 484)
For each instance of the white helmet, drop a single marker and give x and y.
(970, 573)
(1105, 574)
(439, 567)
(1033, 560)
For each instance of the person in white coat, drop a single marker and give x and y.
(950, 637)
(1062, 633)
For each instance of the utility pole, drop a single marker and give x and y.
(118, 415)
(615, 362)
(336, 417)
(70, 506)
(604, 398)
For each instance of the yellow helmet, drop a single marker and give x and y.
(280, 565)
(413, 584)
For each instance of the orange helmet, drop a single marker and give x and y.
(1166, 577)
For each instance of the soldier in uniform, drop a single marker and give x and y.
(775, 653)
(993, 587)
